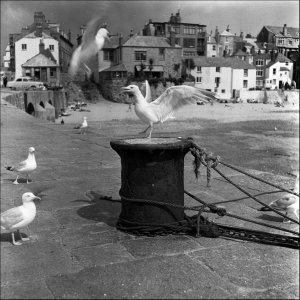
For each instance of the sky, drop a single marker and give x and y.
(121, 16)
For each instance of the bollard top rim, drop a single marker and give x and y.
(152, 144)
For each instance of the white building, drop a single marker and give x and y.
(6, 57)
(278, 73)
(226, 76)
(29, 46)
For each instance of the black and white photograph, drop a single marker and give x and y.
(149, 149)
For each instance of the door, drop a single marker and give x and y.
(43, 75)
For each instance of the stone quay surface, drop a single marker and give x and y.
(75, 251)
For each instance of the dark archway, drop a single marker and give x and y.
(50, 102)
(30, 109)
(42, 104)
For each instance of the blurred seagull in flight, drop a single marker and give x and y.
(25, 166)
(83, 126)
(147, 89)
(288, 203)
(93, 40)
(166, 104)
(19, 217)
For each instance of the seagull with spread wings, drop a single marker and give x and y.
(93, 40)
(26, 166)
(166, 104)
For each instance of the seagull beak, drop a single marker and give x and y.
(125, 89)
(37, 198)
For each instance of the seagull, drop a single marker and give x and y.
(83, 126)
(19, 217)
(166, 104)
(25, 166)
(93, 41)
(147, 88)
(288, 203)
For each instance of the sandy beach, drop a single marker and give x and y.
(108, 111)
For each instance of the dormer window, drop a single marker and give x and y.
(24, 47)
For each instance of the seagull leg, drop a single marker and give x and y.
(144, 131)
(14, 241)
(24, 238)
(16, 181)
(27, 178)
(149, 137)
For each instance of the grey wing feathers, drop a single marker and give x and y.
(91, 31)
(177, 96)
(11, 217)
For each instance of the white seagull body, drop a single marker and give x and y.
(288, 203)
(19, 217)
(93, 41)
(84, 125)
(166, 104)
(25, 166)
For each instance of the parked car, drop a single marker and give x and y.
(26, 83)
(200, 102)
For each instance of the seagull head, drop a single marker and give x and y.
(131, 90)
(104, 33)
(28, 197)
(31, 150)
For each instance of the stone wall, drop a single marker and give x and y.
(16, 99)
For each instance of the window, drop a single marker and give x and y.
(245, 72)
(286, 63)
(19, 79)
(218, 69)
(177, 28)
(24, 47)
(214, 47)
(189, 29)
(199, 69)
(245, 83)
(161, 53)
(52, 72)
(140, 55)
(177, 41)
(217, 81)
(274, 81)
(51, 47)
(280, 41)
(199, 29)
(274, 71)
(189, 43)
(199, 79)
(226, 39)
(107, 55)
(223, 91)
(259, 83)
(259, 73)
(25, 79)
(290, 42)
(259, 62)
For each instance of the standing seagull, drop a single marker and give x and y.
(288, 203)
(19, 217)
(83, 126)
(166, 104)
(25, 166)
(93, 41)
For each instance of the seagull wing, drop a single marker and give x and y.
(284, 202)
(11, 218)
(148, 92)
(75, 61)
(175, 97)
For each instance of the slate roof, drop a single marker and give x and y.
(116, 68)
(228, 33)
(230, 62)
(148, 41)
(34, 35)
(240, 53)
(112, 43)
(42, 59)
(278, 31)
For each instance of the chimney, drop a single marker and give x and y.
(131, 33)
(121, 39)
(39, 18)
(39, 30)
(272, 55)
(228, 28)
(284, 30)
(41, 45)
(172, 37)
(217, 34)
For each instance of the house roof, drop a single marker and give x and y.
(277, 30)
(33, 35)
(230, 62)
(116, 68)
(227, 33)
(148, 41)
(240, 53)
(284, 69)
(43, 59)
(112, 43)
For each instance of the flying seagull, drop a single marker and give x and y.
(93, 40)
(166, 104)
(25, 166)
(288, 203)
(83, 126)
(19, 217)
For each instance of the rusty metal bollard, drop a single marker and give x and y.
(152, 170)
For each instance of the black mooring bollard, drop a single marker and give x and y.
(152, 170)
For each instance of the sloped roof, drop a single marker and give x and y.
(148, 41)
(281, 58)
(228, 33)
(240, 53)
(277, 30)
(284, 69)
(34, 36)
(229, 62)
(112, 43)
(116, 68)
(43, 59)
